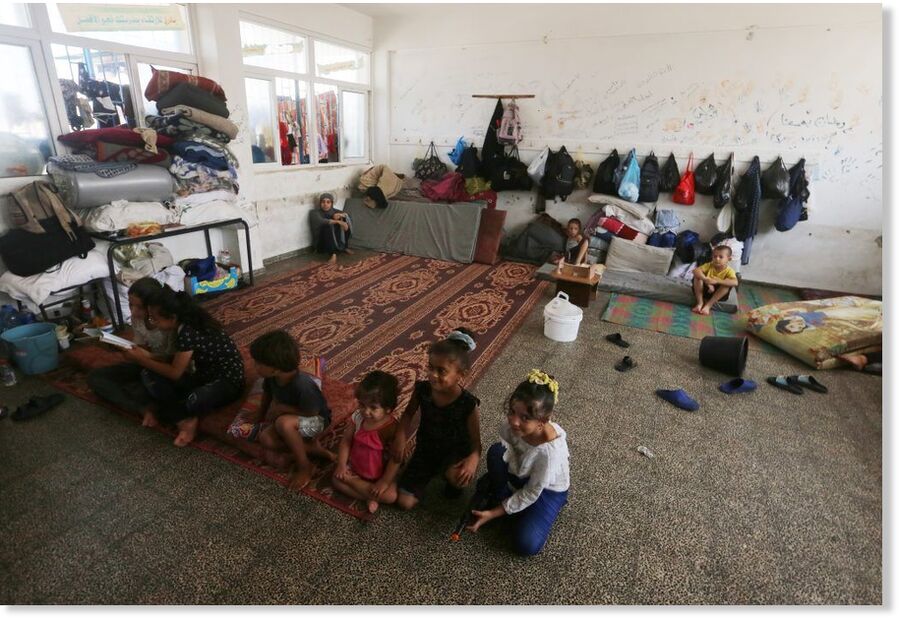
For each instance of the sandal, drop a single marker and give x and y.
(625, 364)
(808, 382)
(781, 382)
(616, 339)
(36, 406)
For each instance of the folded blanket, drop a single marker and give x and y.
(186, 94)
(85, 163)
(177, 125)
(197, 153)
(220, 149)
(120, 214)
(195, 200)
(192, 178)
(163, 81)
(219, 123)
(36, 289)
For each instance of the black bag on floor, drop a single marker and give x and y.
(776, 181)
(724, 183)
(670, 175)
(27, 254)
(649, 179)
(604, 180)
(706, 176)
(510, 174)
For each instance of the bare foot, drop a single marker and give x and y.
(149, 420)
(705, 311)
(187, 431)
(333, 258)
(697, 308)
(348, 251)
(372, 506)
(300, 478)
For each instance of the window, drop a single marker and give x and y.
(308, 99)
(14, 14)
(25, 143)
(161, 27)
(96, 87)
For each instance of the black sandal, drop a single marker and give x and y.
(781, 382)
(616, 339)
(36, 406)
(625, 364)
(808, 382)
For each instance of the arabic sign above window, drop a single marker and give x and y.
(117, 17)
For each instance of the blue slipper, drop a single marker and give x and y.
(737, 386)
(678, 398)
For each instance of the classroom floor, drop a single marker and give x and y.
(756, 498)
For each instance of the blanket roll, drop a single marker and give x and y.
(219, 123)
(85, 190)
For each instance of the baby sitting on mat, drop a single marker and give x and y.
(712, 281)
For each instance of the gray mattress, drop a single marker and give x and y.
(84, 190)
(431, 230)
(649, 286)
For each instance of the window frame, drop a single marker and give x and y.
(309, 77)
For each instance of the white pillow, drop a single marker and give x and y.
(120, 213)
(627, 255)
(637, 209)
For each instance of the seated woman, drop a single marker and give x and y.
(330, 228)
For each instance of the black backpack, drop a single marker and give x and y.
(559, 177)
(603, 182)
(649, 179)
(470, 163)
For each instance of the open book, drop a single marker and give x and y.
(115, 340)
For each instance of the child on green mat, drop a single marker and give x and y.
(712, 281)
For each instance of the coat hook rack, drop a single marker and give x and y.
(503, 96)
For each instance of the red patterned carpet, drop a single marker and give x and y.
(381, 312)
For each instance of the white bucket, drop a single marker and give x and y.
(561, 319)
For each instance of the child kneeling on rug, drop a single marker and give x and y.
(361, 469)
(294, 397)
(183, 395)
(713, 280)
(527, 470)
(448, 442)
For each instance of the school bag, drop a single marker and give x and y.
(559, 177)
(629, 186)
(649, 179)
(603, 182)
(509, 131)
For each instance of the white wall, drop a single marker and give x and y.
(795, 80)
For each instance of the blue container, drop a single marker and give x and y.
(34, 347)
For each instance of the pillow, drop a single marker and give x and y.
(187, 94)
(627, 255)
(114, 135)
(214, 211)
(163, 81)
(636, 209)
(120, 213)
(107, 151)
(490, 233)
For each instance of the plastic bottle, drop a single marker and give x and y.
(7, 374)
(87, 313)
(645, 451)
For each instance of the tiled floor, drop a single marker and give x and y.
(758, 498)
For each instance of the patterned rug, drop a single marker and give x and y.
(381, 312)
(680, 320)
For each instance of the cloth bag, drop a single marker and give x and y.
(430, 166)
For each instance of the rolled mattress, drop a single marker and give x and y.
(84, 190)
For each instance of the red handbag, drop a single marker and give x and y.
(685, 192)
(618, 228)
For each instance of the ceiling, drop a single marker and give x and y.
(377, 10)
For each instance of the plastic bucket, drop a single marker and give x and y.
(727, 355)
(34, 347)
(561, 319)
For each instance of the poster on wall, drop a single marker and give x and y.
(117, 17)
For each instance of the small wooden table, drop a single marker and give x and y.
(579, 282)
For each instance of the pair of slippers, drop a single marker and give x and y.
(682, 400)
(796, 383)
(626, 363)
(35, 406)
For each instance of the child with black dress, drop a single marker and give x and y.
(183, 395)
(448, 441)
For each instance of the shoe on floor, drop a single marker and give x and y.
(36, 405)
(679, 399)
(625, 364)
(617, 340)
(808, 382)
(737, 386)
(781, 382)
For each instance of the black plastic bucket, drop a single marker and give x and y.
(727, 355)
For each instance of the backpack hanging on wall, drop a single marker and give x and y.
(670, 175)
(706, 175)
(510, 174)
(559, 177)
(603, 182)
(509, 131)
(649, 179)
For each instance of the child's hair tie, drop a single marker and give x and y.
(462, 337)
(541, 378)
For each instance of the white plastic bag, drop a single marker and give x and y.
(537, 168)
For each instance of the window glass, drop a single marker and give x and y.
(14, 14)
(273, 49)
(292, 124)
(144, 74)
(25, 141)
(157, 26)
(355, 118)
(95, 87)
(340, 63)
(259, 107)
(326, 123)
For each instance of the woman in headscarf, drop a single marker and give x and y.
(330, 228)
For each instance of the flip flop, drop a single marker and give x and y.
(781, 382)
(625, 364)
(616, 339)
(679, 399)
(36, 406)
(808, 382)
(737, 386)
